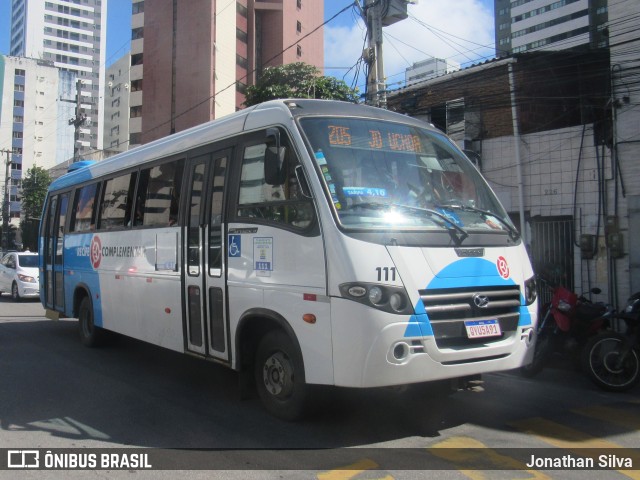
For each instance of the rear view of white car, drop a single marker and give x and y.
(19, 275)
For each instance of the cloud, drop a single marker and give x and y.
(461, 31)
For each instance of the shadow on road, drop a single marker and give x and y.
(133, 393)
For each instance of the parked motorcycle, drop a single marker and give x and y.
(612, 359)
(567, 322)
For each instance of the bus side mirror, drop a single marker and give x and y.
(274, 158)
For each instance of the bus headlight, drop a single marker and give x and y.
(375, 295)
(382, 297)
(530, 291)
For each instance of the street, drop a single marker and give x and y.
(58, 394)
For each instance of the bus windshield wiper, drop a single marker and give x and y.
(513, 233)
(457, 233)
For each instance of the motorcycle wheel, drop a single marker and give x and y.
(601, 356)
(540, 355)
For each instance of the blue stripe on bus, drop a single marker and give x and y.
(468, 272)
(79, 271)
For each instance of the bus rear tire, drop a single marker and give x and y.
(279, 376)
(90, 335)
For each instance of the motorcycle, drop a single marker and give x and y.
(567, 322)
(612, 359)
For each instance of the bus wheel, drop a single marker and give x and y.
(90, 335)
(279, 376)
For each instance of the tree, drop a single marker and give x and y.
(34, 192)
(298, 80)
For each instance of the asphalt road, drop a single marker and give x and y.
(55, 393)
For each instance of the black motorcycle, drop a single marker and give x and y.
(612, 359)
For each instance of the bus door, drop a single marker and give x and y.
(54, 249)
(205, 277)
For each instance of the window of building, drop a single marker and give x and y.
(299, 27)
(298, 50)
(136, 111)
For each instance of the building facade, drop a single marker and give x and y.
(117, 96)
(72, 35)
(191, 61)
(526, 25)
(29, 121)
(427, 69)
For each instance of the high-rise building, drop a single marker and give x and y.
(29, 121)
(526, 25)
(72, 35)
(191, 61)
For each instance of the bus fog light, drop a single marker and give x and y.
(375, 295)
(527, 336)
(400, 351)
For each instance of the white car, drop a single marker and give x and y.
(19, 275)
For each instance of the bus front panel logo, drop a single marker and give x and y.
(503, 267)
(96, 252)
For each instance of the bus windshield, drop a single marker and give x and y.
(389, 175)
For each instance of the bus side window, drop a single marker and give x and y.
(83, 215)
(117, 199)
(273, 203)
(158, 195)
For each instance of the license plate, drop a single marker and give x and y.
(482, 328)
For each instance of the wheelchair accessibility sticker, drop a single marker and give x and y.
(235, 245)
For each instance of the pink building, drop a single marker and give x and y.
(198, 56)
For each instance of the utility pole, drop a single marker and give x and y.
(376, 88)
(378, 14)
(78, 121)
(5, 203)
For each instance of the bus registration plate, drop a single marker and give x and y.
(482, 328)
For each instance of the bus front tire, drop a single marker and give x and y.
(279, 376)
(90, 335)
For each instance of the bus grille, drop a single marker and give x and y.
(449, 308)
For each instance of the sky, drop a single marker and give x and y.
(458, 30)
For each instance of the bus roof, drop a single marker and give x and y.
(255, 117)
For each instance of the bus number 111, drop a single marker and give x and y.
(388, 273)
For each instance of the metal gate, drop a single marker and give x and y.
(552, 252)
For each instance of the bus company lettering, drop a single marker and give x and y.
(97, 251)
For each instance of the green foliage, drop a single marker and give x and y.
(34, 191)
(298, 80)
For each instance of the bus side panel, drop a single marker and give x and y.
(134, 285)
(280, 271)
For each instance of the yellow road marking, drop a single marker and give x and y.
(570, 439)
(455, 450)
(351, 471)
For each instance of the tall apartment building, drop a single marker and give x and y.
(117, 95)
(72, 35)
(29, 122)
(191, 61)
(525, 25)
